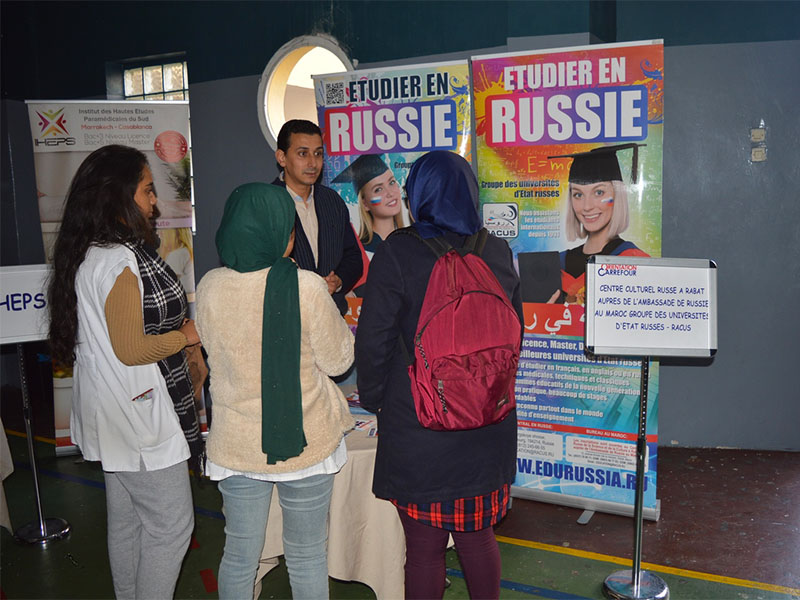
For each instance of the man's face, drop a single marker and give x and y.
(302, 162)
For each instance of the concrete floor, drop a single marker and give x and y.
(729, 529)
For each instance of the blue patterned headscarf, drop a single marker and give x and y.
(443, 195)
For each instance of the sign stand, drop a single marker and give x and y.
(43, 530)
(646, 307)
(638, 584)
(24, 320)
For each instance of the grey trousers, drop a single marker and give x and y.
(150, 523)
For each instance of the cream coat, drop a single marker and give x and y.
(229, 319)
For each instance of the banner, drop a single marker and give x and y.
(65, 132)
(569, 151)
(375, 124)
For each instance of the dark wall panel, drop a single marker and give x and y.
(719, 205)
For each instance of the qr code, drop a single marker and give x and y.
(334, 93)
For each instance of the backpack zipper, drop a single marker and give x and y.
(418, 341)
(440, 392)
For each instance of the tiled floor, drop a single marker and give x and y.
(729, 529)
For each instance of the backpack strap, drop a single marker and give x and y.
(475, 243)
(440, 246)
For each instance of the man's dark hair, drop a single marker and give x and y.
(296, 126)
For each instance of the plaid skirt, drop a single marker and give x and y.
(462, 514)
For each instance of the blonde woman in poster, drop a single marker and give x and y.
(379, 198)
(176, 251)
(597, 213)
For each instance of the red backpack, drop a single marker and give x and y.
(466, 347)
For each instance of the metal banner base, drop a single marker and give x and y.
(595, 504)
(41, 533)
(44, 530)
(620, 586)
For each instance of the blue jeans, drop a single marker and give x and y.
(304, 504)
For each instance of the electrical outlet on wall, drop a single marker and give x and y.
(758, 135)
(758, 142)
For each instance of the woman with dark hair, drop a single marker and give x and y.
(117, 312)
(442, 482)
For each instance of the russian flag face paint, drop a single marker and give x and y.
(607, 200)
(376, 200)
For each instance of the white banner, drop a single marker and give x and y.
(65, 132)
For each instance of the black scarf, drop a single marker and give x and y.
(164, 308)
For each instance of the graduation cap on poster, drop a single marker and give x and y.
(601, 164)
(361, 170)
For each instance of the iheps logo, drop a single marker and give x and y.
(53, 130)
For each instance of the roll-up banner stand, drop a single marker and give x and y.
(568, 141)
(392, 115)
(63, 134)
(375, 124)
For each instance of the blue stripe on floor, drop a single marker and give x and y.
(58, 475)
(214, 514)
(526, 589)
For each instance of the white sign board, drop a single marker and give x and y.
(651, 306)
(23, 303)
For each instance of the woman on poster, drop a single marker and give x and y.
(118, 313)
(597, 212)
(176, 250)
(379, 199)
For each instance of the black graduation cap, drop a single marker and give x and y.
(600, 164)
(361, 170)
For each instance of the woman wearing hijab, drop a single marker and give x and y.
(442, 483)
(273, 336)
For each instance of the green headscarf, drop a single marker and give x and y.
(253, 235)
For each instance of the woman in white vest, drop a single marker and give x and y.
(118, 313)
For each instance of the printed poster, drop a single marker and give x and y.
(64, 133)
(569, 151)
(375, 124)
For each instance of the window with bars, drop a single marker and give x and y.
(167, 81)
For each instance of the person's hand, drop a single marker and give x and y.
(554, 297)
(334, 282)
(188, 329)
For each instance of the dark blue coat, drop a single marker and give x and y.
(415, 464)
(337, 247)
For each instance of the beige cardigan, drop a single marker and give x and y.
(229, 318)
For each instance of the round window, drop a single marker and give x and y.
(286, 89)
